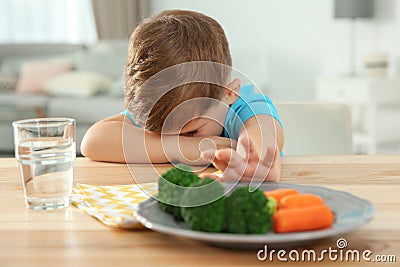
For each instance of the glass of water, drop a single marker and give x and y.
(45, 149)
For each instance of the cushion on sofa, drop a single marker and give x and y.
(78, 84)
(34, 74)
(107, 57)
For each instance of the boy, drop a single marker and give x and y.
(182, 105)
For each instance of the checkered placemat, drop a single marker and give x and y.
(113, 205)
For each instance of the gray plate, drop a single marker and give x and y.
(350, 212)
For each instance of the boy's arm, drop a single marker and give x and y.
(264, 131)
(104, 141)
(258, 151)
(266, 136)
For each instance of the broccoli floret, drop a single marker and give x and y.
(170, 188)
(203, 206)
(246, 212)
(272, 205)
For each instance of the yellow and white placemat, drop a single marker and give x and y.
(113, 205)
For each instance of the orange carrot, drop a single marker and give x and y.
(299, 201)
(278, 194)
(302, 219)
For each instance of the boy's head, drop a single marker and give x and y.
(170, 38)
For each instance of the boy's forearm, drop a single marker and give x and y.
(109, 141)
(141, 146)
(173, 148)
(264, 132)
(188, 149)
(183, 149)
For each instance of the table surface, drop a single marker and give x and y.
(71, 238)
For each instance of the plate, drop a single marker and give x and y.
(350, 211)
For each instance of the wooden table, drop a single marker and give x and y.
(71, 238)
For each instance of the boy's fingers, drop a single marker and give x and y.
(209, 175)
(208, 154)
(220, 165)
(234, 166)
(275, 172)
(273, 176)
(252, 152)
(229, 156)
(270, 156)
(249, 149)
(245, 143)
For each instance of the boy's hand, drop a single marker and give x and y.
(234, 167)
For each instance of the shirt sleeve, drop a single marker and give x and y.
(129, 115)
(248, 104)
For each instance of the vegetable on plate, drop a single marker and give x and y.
(299, 201)
(203, 205)
(171, 187)
(278, 194)
(209, 216)
(302, 219)
(247, 212)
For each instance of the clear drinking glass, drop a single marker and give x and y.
(46, 150)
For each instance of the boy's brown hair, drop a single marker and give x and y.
(170, 38)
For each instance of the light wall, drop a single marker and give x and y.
(283, 45)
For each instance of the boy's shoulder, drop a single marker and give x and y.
(247, 89)
(250, 93)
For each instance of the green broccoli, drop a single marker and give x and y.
(272, 205)
(247, 212)
(203, 206)
(170, 188)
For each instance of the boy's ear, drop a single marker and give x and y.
(232, 91)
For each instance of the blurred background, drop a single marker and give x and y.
(65, 58)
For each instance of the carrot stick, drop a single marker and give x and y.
(302, 219)
(278, 194)
(300, 201)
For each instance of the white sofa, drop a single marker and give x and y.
(106, 58)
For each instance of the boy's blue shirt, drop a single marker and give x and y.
(248, 104)
(128, 114)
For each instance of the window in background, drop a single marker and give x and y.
(47, 21)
